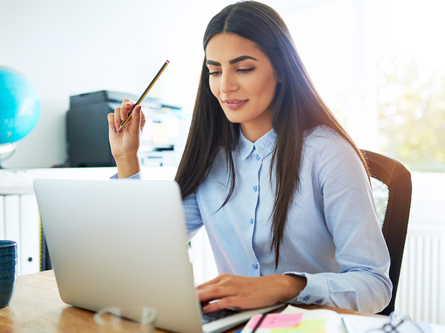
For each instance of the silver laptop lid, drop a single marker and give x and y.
(120, 243)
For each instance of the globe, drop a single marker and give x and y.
(19, 106)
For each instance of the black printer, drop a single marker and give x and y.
(87, 126)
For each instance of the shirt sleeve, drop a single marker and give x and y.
(193, 219)
(363, 282)
(137, 175)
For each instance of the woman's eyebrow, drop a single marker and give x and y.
(231, 62)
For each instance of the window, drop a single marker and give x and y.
(379, 66)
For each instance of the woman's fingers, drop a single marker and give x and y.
(117, 118)
(121, 113)
(227, 302)
(126, 107)
(249, 292)
(225, 288)
(111, 125)
(211, 293)
(135, 124)
(210, 282)
(126, 141)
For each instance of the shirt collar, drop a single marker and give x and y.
(263, 146)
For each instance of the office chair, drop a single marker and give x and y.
(391, 187)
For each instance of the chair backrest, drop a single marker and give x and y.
(391, 187)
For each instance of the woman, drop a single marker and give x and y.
(283, 191)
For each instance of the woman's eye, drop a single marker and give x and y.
(214, 73)
(246, 70)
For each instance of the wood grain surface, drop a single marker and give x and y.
(36, 307)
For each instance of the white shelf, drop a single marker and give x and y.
(19, 181)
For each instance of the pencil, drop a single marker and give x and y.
(144, 94)
(258, 324)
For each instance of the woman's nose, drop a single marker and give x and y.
(228, 83)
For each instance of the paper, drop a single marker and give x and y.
(328, 321)
(306, 326)
(287, 323)
(364, 324)
(332, 320)
(276, 320)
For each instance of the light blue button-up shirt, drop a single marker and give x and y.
(332, 236)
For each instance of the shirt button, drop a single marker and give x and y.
(258, 157)
(306, 298)
(255, 188)
(319, 301)
(255, 266)
(251, 221)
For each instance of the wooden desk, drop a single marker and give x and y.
(36, 307)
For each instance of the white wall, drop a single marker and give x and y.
(70, 47)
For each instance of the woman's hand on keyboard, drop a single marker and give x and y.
(249, 292)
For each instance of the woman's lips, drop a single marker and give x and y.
(235, 104)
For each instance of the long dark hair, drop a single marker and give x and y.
(297, 107)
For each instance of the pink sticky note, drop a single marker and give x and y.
(253, 322)
(277, 320)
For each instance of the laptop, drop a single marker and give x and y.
(124, 243)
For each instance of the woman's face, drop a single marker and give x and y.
(243, 80)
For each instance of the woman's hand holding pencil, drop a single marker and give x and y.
(125, 127)
(125, 144)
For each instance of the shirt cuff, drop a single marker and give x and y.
(315, 292)
(137, 175)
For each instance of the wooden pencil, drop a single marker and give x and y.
(144, 94)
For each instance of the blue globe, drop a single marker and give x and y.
(19, 106)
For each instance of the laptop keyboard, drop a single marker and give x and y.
(219, 314)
